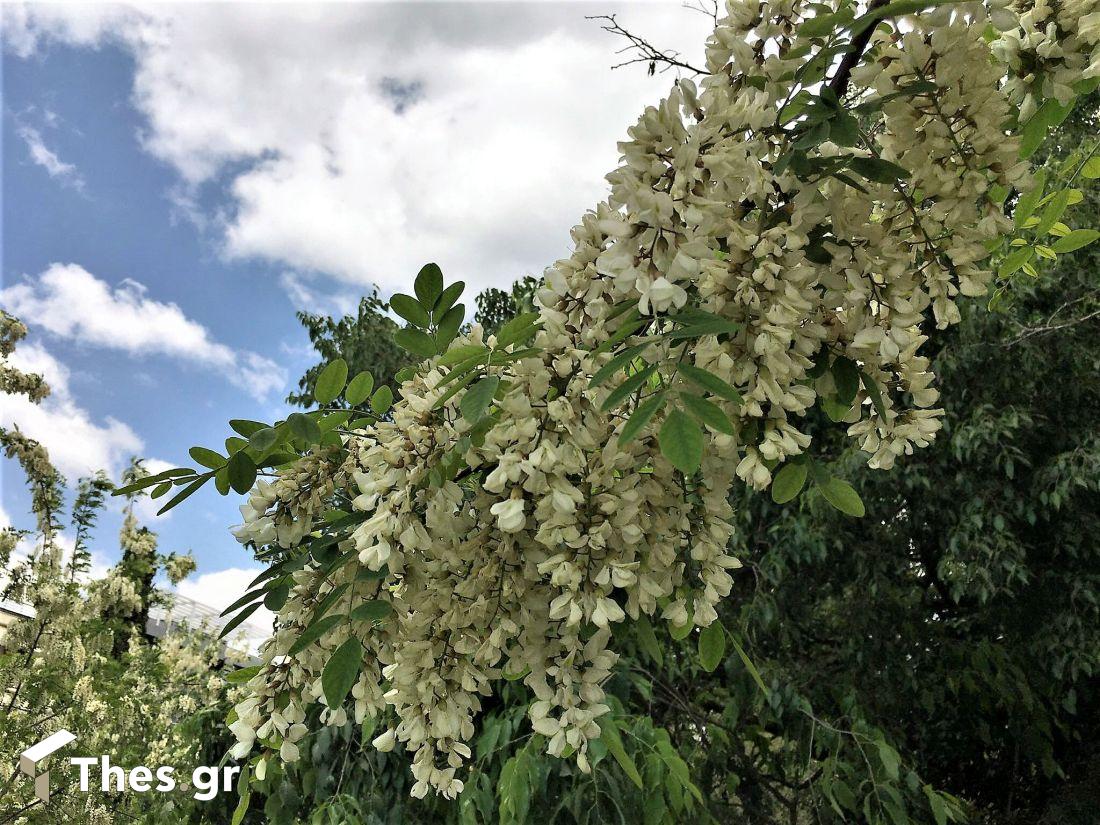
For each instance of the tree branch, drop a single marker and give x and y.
(839, 83)
(645, 52)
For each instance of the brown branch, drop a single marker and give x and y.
(1044, 330)
(839, 83)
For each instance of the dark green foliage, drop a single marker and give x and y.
(364, 341)
(90, 494)
(495, 307)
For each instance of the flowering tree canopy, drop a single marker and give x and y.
(779, 241)
(78, 658)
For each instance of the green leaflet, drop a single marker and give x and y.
(647, 640)
(242, 472)
(304, 427)
(1075, 240)
(371, 611)
(640, 417)
(788, 482)
(341, 671)
(315, 631)
(710, 382)
(842, 496)
(207, 458)
(411, 310)
(627, 388)
(428, 285)
(681, 442)
(609, 735)
(416, 341)
(712, 646)
(475, 403)
(708, 413)
(382, 400)
(620, 361)
(331, 381)
(233, 623)
(846, 377)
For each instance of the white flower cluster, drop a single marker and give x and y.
(178, 567)
(282, 512)
(520, 567)
(1049, 45)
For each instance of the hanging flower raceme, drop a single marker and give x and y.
(775, 241)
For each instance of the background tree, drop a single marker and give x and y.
(81, 661)
(364, 341)
(128, 592)
(496, 307)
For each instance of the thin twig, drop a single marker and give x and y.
(645, 51)
(710, 9)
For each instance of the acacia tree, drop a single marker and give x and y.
(951, 635)
(779, 244)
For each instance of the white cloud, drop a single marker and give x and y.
(363, 140)
(70, 302)
(305, 296)
(220, 589)
(83, 24)
(48, 159)
(77, 444)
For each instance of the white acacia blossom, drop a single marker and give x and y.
(521, 566)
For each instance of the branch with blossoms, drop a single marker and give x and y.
(780, 241)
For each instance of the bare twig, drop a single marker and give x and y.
(1050, 325)
(707, 7)
(642, 50)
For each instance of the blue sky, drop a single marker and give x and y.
(179, 180)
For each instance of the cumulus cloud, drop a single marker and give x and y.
(68, 301)
(46, 158)
(27, 30)
(363, 140)
(219, 590)
(304, 294)
(78, 444)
